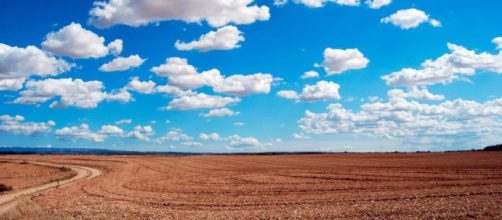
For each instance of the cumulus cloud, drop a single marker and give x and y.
(123, 121)
(376, 4)
(498, 42)
(410, 18)
(213, 137)
(150, 87)
(200, 101)
(447, 68)
(225, 38)
(243, 85)
(122, 63)
(142, 133)
(145, 87)
(173, 90)
(310, 74)
(322, 90)
(191, 143)
(16, 125)
(74, 133)
(185, 76)
(403, 117)
(115, 47)
(70, 92)
(413, 93)
(234, 141)
(111, 130)
(17, 64)
(77, 42)
(238, 142)
(173, 135)
(373, 4)
(337, 61)
(141, 12)
(222, 112)
(280, 2)
(11, 84)
(321, 3)
(121, 96)
(300, 136)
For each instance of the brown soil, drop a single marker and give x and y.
(21, 175)
(403, 186)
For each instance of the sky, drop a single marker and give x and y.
(251, 76)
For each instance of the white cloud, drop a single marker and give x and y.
(185, 76)
(146, 87)
(174, 66)
(17, 64)
(288, 94)
(448, 67)
(222, 112)
(191, 143)
(240, 124)
(410, 18)
(310, 74)
(413, 93)
(173, 135)
(280, 2)
(74, 133)
(498, 42)
(458, 122)
(237, 141)
(150, 87)
(70, 92)
(337, 61)
(300, 136)
(16, 125)
(435, 23)
(77, 42)
(123, 121)
(115, 47)
(321, 3)
(142, 133)
(376, 4)
(322, 90)
(225, 38)
(173, 90)
(11, 84)
(200, 101)
(122, 96)
(122, 63)
(243, 85)
(141, 12)
(111, 130)
(213, 136)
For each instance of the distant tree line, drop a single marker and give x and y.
(497, 147)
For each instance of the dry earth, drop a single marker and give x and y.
(24, 175)
(432, 185)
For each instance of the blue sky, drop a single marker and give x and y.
(235, 82)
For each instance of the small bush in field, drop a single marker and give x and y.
(4, 187)
(64, 169)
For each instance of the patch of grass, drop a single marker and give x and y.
(4, 188)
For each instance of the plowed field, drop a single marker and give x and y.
(429, 185)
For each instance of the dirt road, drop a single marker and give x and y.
(10, 200)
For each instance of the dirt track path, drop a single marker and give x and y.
(10, 200)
